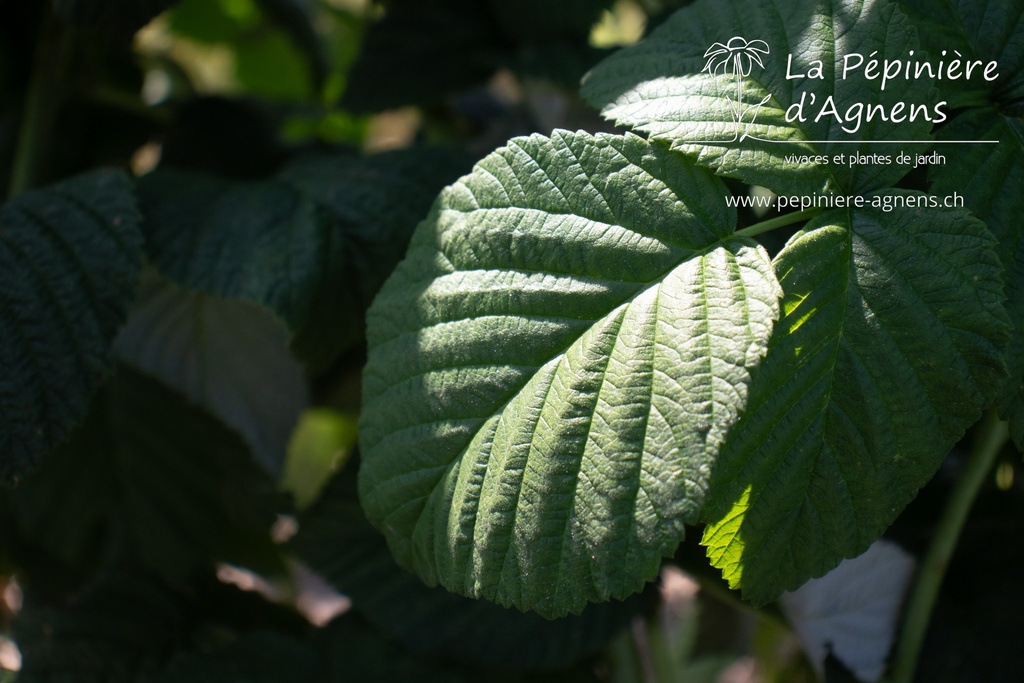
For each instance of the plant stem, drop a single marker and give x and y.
(777, 222)
(993, 435)
(625, 659)
(41, 102)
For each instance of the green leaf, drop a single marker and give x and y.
(553, 368)
(323, 442)
(659, 87)
(151, 478)
(976, 29)
(121, 17)
(989, 178)
(336, 540)
(273, 47)
(208, 21)
(889, 347)
(228, 357)
(70, 257)
(298, 20)
(273, 67)
(121, 629)
(313, 243)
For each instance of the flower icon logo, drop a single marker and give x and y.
(737, 57)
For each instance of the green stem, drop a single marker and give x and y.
(777, 222)
(625, 659)
(42, 101)
(993, 435)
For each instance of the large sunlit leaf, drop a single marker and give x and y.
(336, 540)
(889, 347)
(70, 257)
(313, 244)
(553, 369)
(660, 87)
(229, 357)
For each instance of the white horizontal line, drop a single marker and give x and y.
(848, 142)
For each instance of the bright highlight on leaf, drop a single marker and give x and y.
(554, 368)
(890, 347)
(748, 88)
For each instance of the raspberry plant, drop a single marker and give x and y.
(570, 364)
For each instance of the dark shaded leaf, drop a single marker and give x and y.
(70, 258)
(336, 540)
(228, 357)
(313, 244)
(118, 631)
(258, 657)
(149, 477)
(353, 651)
(970, 30)
(990, 179)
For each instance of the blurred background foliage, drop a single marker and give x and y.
(172, 538)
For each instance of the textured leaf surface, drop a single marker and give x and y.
(70, 257)
(889, 346)
(976, 29)
(336, 540)
(553, 368)
(228, 357)
(313, 244)
(990, 178)
(659, 87)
